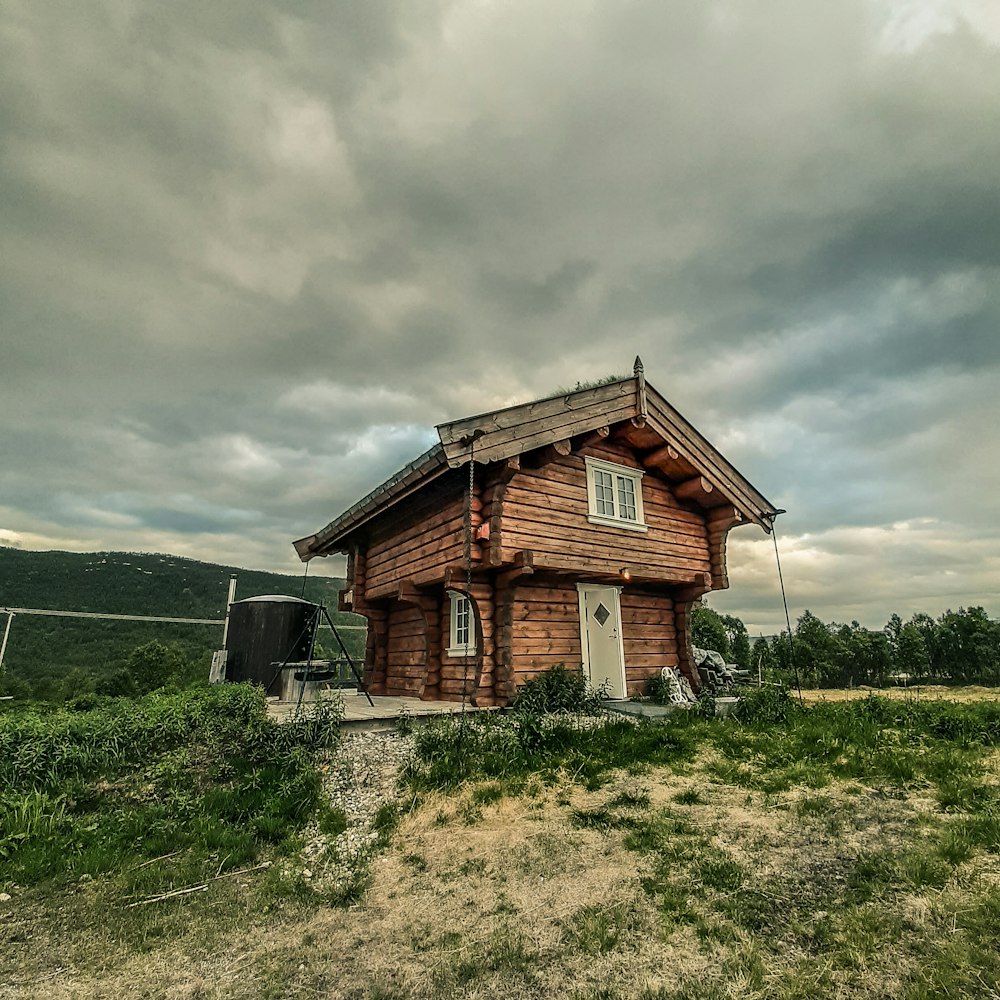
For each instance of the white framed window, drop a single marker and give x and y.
(614, 495)
(462, 634)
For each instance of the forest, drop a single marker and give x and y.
(957, 647)
(57, 659)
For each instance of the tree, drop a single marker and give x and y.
(154, 665)
(815, 651)
(968, 646)
(708, 630)
(911, 655)
(739, 641)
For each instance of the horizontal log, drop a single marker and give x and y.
(401, 658)
(647, 613)
(557, 553)
(633, 597)
(404, 647)
(540, 647)
(537, 508)
(406, 626)
(448, 520)
(569, 484)
(652, 660)
(546, 660)
(609, 453)
(697, 490)
(430, 572)
(536, 629)
(575, 527)
(434, 498)
(537, 592)
(447, 548)
(402, 687)
(593, 437)
(406, 671)
(648, 633)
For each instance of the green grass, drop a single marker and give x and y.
(202, 776)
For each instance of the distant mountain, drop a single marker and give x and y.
(50, 657)
(139, 583)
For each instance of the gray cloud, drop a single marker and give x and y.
(251, 254)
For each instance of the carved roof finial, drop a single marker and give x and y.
(640, 390)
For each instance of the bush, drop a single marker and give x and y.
(558, 691)
(766, 706)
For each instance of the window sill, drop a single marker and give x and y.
(617, 522)
(461, 651)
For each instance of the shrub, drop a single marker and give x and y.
(766, 706)
(558, 691)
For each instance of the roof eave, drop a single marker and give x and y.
(335, 536)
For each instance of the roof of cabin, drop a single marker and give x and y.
(514, 430)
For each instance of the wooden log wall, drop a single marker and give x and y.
(545, 629)
(419, 537)
(374, 670)
(649, 636)
(545, 510)
(406, 651)
(478, 674)
(545, 632)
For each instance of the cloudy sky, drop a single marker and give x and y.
(250, 253)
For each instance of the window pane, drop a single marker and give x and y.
(626, 498)
(461, 621)
(604, 493)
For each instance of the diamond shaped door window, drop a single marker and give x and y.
(602, 614)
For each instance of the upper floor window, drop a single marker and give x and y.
(462, 637)
(614, 493)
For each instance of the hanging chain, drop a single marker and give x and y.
(468, 577)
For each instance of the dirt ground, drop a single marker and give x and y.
(553, 894)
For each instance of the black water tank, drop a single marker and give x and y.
(265, 631)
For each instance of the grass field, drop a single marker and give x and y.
(849, 850)
(918, 692)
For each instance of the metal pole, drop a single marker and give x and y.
(229, 601)
(3, 645)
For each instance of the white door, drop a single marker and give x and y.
(601, 639)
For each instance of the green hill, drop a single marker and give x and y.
(57, 657)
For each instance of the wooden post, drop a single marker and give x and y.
(225, 627)
(684, 597)
(6, 634)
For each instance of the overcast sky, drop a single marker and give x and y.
(250, 253)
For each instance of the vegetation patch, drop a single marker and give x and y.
(780, 854)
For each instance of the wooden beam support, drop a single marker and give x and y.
(666, 455)
(696, 490)
(596, 436)
(550, 453)
(669, 461)
(524, 565)
(455, 576)
(719, 521)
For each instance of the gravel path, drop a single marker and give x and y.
(360, 777)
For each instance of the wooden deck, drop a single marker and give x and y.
(359, 715)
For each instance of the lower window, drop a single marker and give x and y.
(462, 635)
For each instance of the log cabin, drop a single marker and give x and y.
(576, 530)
